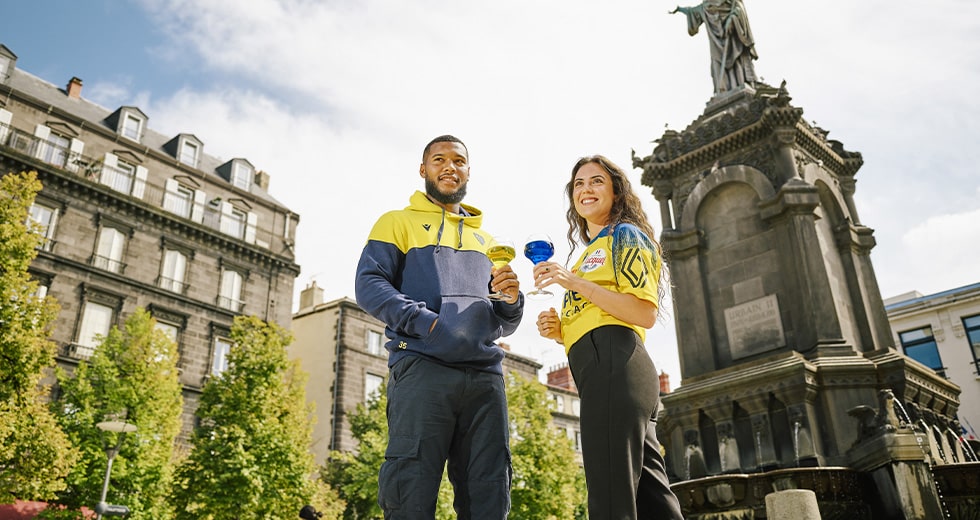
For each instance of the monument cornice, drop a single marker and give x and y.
(746, 124)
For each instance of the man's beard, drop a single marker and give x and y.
(432, 190)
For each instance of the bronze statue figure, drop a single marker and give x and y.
(732, 45)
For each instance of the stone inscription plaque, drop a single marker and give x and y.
(754, 327)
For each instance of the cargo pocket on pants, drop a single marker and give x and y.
(399, 473)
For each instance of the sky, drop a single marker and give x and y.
(335, 100)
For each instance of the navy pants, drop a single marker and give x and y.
(620, 396)
(438, 413)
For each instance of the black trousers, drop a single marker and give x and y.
(438, 413)
(619, 390)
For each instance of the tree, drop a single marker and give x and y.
(250, 456)
(35, 454)
(548, 483)
(131, 376)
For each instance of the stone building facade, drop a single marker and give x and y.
(942, 331)
(133, 218)
(342, 348)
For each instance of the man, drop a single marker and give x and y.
(425, 273)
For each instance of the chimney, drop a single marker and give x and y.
(74, 88)
(561, 376)
(262, 180)
(664, 383)
(311, 296)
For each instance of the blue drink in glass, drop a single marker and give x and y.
(538, 249)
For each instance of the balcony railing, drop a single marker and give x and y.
(78, 351)
(94, 170)
(109, 264)
(233, 305)
(172, 285)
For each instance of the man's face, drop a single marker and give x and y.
(446, 170)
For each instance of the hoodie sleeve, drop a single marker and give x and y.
(509, 314)
(376, 285)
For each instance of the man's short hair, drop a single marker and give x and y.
(443, 139)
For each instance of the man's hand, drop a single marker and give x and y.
(505, 280)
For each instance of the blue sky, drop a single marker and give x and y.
(336, 98)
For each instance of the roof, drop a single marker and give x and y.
(946, 296)
(51, 95)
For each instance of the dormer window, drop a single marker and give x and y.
(132, 127)
(242, 174)
(4, 67)
(189, 153)
(129, 122)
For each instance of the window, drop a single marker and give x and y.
(178, 199)
(132, 127)
(559, 402)
(121, 177)
(920, 345)
(374, 344)
(189, 153)
(44, 218)
(241, 175)
(109, 250)
(233, 221)
(576, 407)
(96, 322)
(230, 293)
(173, 271)
(4, 67)
(173, 332)
(372, 383)
(169, 329)
(54, 150)
(219, 362)
(578, 440)
(972, 326)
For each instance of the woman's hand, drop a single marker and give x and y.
(548, 273)
(549, 326)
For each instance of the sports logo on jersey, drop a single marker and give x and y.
(425, 226)
(634, 268)
(478, 238)
(594, 261)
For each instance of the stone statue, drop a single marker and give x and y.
(732, 45)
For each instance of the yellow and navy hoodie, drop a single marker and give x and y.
(422, 263)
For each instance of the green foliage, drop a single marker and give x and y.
(548, 483)
(131, 376)
(250, 455)
(35, 454)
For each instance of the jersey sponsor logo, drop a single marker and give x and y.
(574, 303)
(594, 261)
(634, 269)
(425, 226)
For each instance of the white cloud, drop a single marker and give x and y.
(336, 99)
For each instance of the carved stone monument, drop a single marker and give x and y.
(784, 343)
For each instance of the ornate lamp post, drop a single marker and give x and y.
(122, 428)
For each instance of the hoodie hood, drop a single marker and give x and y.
(473, 218)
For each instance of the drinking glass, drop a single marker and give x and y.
(500, 252)
(538, 249)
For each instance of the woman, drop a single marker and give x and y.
(612, 296)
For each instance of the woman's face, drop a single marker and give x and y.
(592, 193)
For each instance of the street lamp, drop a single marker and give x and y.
(122, 428)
